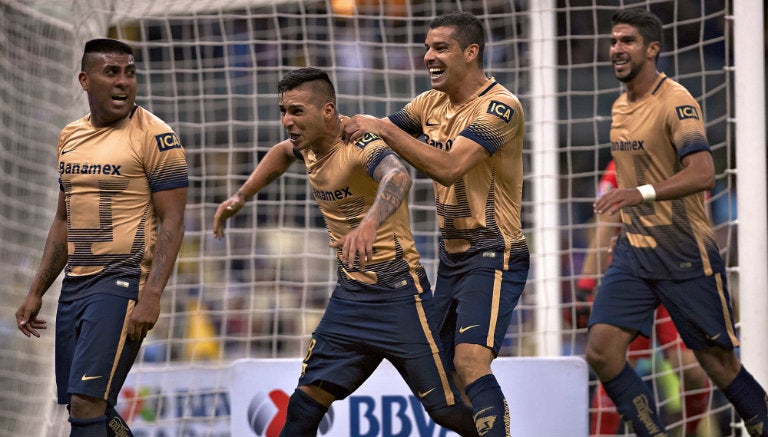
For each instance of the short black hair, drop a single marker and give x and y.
(468, 29)
(646, 22)
(295, 78)
(104, 45)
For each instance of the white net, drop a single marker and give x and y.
(37, 94)
(210, 69)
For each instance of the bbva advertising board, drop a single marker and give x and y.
(547, 397)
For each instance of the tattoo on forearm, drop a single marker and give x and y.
(162, 258)
(391, 193)
(58, 260)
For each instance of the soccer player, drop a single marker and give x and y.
(665, 252)
(116, 233)
(381, 303)
(472, 128)
(604, 420)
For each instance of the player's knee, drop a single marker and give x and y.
(82, 406)
(605, 362)
(601, 353)
(472, 363)
(595, 356)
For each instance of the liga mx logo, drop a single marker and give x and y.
(266, 414)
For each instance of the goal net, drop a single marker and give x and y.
(210, 69)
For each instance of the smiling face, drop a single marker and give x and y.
(110, 81)
(445, 60)
(629, 54)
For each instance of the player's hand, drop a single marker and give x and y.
(226, 209)
(612, 201)
(26, 316)
(355, 127)
(357, 244)
(143, 317)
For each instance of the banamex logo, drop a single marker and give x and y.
(266, 414)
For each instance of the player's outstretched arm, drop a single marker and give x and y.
(52, 263)
(272, 166)
(394, 183)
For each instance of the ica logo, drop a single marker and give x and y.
(167, 141)
(366, 139)
(500, 110)
(687, 111)
(266, 414)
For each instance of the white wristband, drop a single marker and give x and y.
(648, 193)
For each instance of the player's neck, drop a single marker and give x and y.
(332, 136)
(468, 87)
(641, 85)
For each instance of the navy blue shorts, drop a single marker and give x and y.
(93, 353)
(353, 338)
(700, 307)
(476, 307)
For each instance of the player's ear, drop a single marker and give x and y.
(329, 110)
(83, 79)
(470, 53)
(653, 49)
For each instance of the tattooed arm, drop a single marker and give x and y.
(394, 183)
(52, 263)
(170, 206)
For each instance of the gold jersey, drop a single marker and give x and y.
(479, 215)
(108, 176)
(343, 187)
(649, 138)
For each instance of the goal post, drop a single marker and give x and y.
(750, 115)
(210, 69)
(542, 119)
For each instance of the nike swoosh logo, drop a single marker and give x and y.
(464, 329)
(89, 378)
(714, 337)
(66, 151)
(431, 124)
(422, 395)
